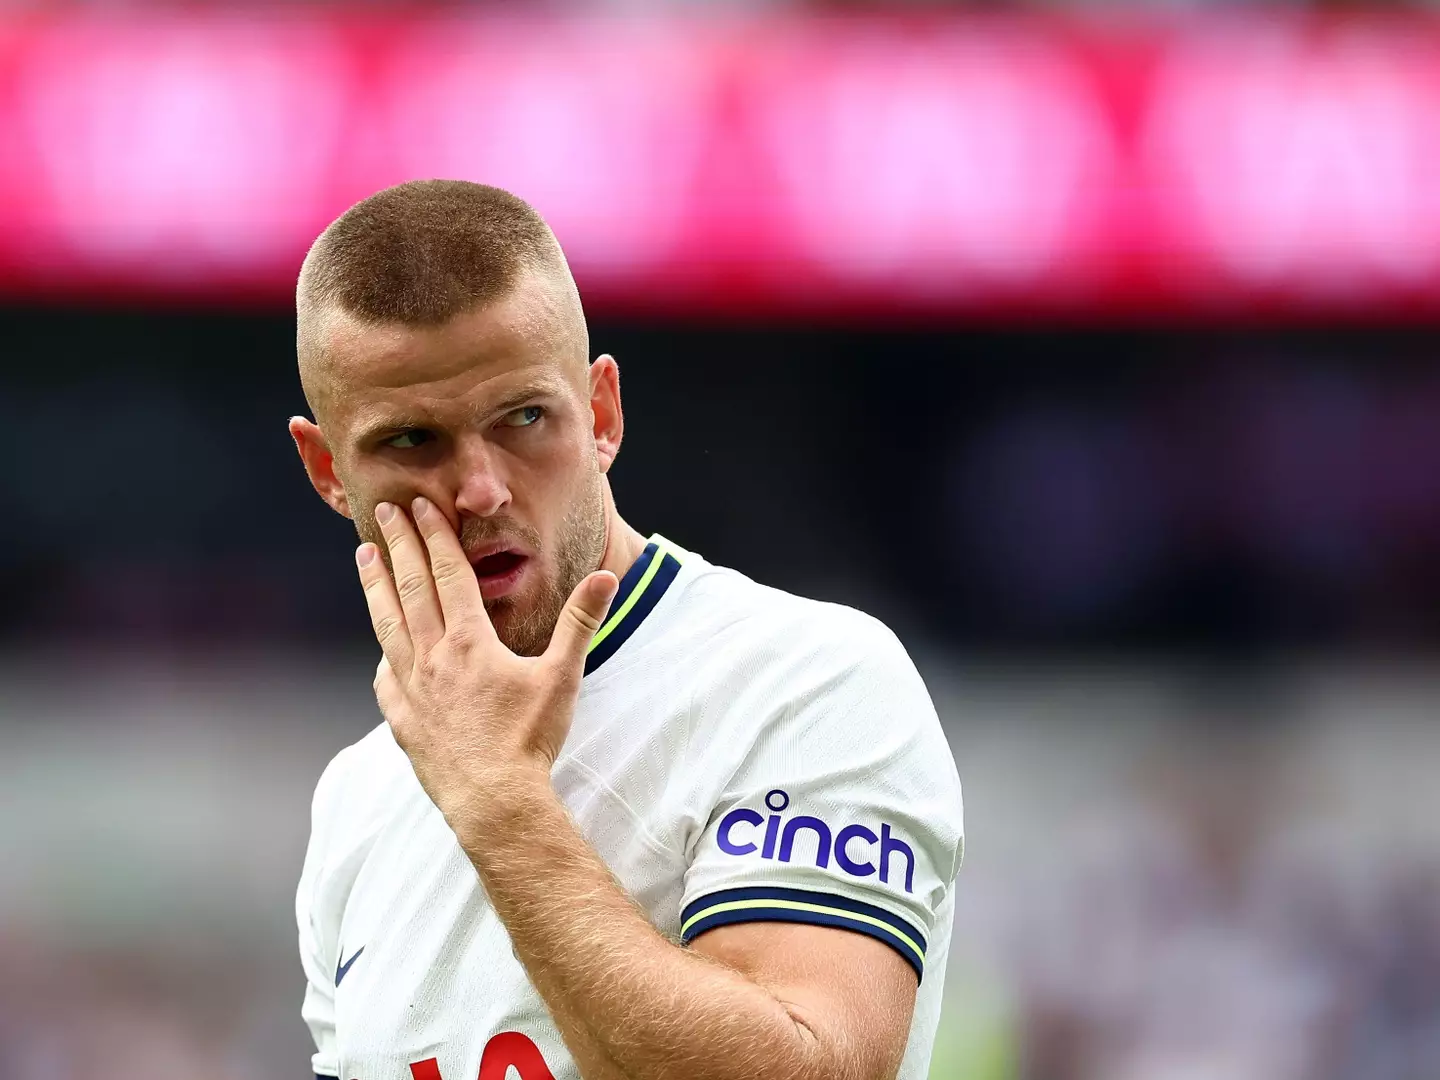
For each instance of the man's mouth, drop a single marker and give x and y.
(499, 573)
(502, 562)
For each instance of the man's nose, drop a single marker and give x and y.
(481, 487)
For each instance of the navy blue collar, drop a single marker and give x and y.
(640, 590)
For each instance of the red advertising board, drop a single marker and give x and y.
(1264, 165)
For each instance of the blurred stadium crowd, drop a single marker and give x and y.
(1174, 873)
(1232, 903)
(1173, 592)
(1162, 490)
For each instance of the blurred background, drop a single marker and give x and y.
(1091, 345)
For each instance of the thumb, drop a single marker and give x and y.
(581, 619)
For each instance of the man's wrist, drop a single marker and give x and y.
(507, 800)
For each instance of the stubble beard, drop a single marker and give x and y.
(579, 548)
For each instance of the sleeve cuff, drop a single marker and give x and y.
(766, 903)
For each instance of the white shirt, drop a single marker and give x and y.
(737, 754)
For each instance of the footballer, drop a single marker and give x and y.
(631, 815)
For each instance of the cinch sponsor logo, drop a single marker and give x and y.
(852, 847)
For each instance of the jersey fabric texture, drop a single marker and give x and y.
(737, 754)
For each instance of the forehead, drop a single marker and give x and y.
(528, 339)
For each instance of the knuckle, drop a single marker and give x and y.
(564, 679)
(386, 696)
(583, 621)
(401, 730)
(448, 571)
(410, 584)
(385, 629)
(461, 636)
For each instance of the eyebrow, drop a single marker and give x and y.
(391, 424)
(523, 396)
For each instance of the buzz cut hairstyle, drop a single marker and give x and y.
(423, 252)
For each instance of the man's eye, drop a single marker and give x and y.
(523, 417)
(409, 440)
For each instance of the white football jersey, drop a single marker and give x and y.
(737, 754)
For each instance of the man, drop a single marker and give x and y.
(631, 815)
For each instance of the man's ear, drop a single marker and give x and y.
(319, 463)
(609, 418)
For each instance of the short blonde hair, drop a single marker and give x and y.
(424, 251)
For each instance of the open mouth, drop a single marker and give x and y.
(498, 565)
(500, 573)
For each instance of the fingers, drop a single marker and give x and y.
(386, 616)
(579, 621)
(413, 581)
(461, 607)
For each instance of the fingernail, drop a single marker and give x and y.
(420, 506)
(364, 555)
(384, 512)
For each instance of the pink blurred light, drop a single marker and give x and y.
(597, 124)
(178, 148)
(758, 164)
(929, 162)
(1298, 163)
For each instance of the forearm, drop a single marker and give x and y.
(626, 999)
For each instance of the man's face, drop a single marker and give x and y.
(490, 417)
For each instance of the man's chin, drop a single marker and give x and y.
(517, 626)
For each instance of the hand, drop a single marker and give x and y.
(468, 712)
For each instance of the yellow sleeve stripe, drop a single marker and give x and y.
(775, 908)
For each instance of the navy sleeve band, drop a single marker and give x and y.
(767, 903)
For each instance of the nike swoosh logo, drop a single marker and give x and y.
(343, 968)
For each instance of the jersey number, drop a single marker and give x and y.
(503, 1051)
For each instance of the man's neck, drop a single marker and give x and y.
(622, 547)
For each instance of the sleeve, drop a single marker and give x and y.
(840, 804)
(319, 928)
